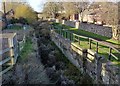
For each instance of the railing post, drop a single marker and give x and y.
(66, 33)
(84, 55)
(97, 47)
(70, 36)
(90, 43)
(79, 40)
(10, 40)
(60, 32)
(110, 51)
(73, 37)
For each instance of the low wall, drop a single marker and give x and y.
(88, 61)
(97, 29)
(101, 30)
(70, 23)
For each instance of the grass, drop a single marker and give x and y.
(84, 43)
(15, 27)
(26, 49)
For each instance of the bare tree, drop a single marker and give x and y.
(51, 9)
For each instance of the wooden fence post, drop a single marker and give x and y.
(70, 36)
(60, 32)
(110, 51)
(10, 40)
(66, 33)
(73, 37)
(84, 55)
(79, 40)
(97, 47)
(90, 43)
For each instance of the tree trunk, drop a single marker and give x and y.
(116, 32)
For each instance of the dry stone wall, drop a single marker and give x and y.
(97, 29)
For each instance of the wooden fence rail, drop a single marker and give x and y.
(77, 38)
(14, 48)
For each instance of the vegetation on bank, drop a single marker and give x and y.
(27, 49)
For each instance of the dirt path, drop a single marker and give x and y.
(36, 73)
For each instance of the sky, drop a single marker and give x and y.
(37, 5)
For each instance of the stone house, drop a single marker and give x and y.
(90, 16)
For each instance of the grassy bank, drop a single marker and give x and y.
(27, 49)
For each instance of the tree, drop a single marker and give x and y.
(111, 17)
(25, 11)
(51, 9)
(69, 8)
(81, 7)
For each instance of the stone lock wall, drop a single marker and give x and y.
(88, 61)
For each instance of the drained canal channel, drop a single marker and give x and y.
(44, 63)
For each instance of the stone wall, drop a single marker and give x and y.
(70, 23)
(88, 61)
(97, 29)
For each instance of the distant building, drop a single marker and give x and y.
(90, 16)
(2, 21)
(40, 15)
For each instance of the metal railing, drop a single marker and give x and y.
(112, 52)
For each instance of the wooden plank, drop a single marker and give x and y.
(90, 57)
(7, 35)
(4, 71)
(114, 56)
(5, 50)
(4, 61)
(74, 45)
(91, 52)
(76, 39)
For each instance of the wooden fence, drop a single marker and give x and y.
(112, 52)
(14, 48)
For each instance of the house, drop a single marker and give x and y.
(90, 16)
(2, 21)
(40, 15)
(9, 15)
